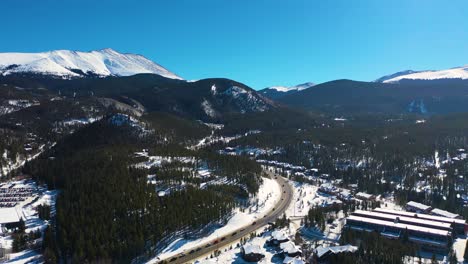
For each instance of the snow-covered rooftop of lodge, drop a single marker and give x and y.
(9, 215)
(337, 249)
(444, 213)
(418, 205)
(399, 225)
(279, 235)
(392, 218)
(253, 247)
(63, 63)
(364, 195)
(289, 247)
(291, 260)
(424, 216)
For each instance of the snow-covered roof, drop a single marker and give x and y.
(289, 247)
(279, 235)
(364, 195)
(253, 247)
(293, 260)
(424, 216)
(9, 215)
(444, 213)
(417, 205)
(399, 225)
(413, 220)
(337, 249)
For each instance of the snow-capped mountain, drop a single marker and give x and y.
(453, 73)
(72, 64)
(395, 75)
(275, 92)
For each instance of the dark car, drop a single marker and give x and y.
(235, 233)
(254, 223)
(173, 259)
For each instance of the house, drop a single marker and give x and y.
(252, 252)
(9, 217)
(290, 249)
(321, 254)
(365, 196)
(418, 207)
(328, 188)
(440, 212)
(295, 260)
(277, 237)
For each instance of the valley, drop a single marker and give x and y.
(149, 168)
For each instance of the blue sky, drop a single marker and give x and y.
(259, 43)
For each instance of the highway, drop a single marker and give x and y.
(202, 250)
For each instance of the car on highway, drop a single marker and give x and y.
(235, 233)
(173, 259)
(254, 223)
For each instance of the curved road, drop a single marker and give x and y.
(201, 250)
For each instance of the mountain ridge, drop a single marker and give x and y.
(76, 64)
(452, 73)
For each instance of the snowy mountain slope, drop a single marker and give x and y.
(453, 73)
(395, 75)
(275, 92)
(69, 64)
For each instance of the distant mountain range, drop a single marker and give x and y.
(73, 64)
(126, 80)
(275, 92)
(453, 73)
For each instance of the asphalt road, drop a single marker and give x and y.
(201, 250)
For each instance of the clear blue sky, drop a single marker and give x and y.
(259, 43)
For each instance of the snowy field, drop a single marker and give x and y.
(266, 199)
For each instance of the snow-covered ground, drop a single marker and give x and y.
(212, 139)
(233, 255)
(267, 197)
(27, 211)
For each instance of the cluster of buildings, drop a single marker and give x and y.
(254, 252)
(431, 233)
(13, 195)
(426, 209)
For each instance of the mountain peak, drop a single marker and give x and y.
(275, 92)
(452, 73)
(75, 64)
